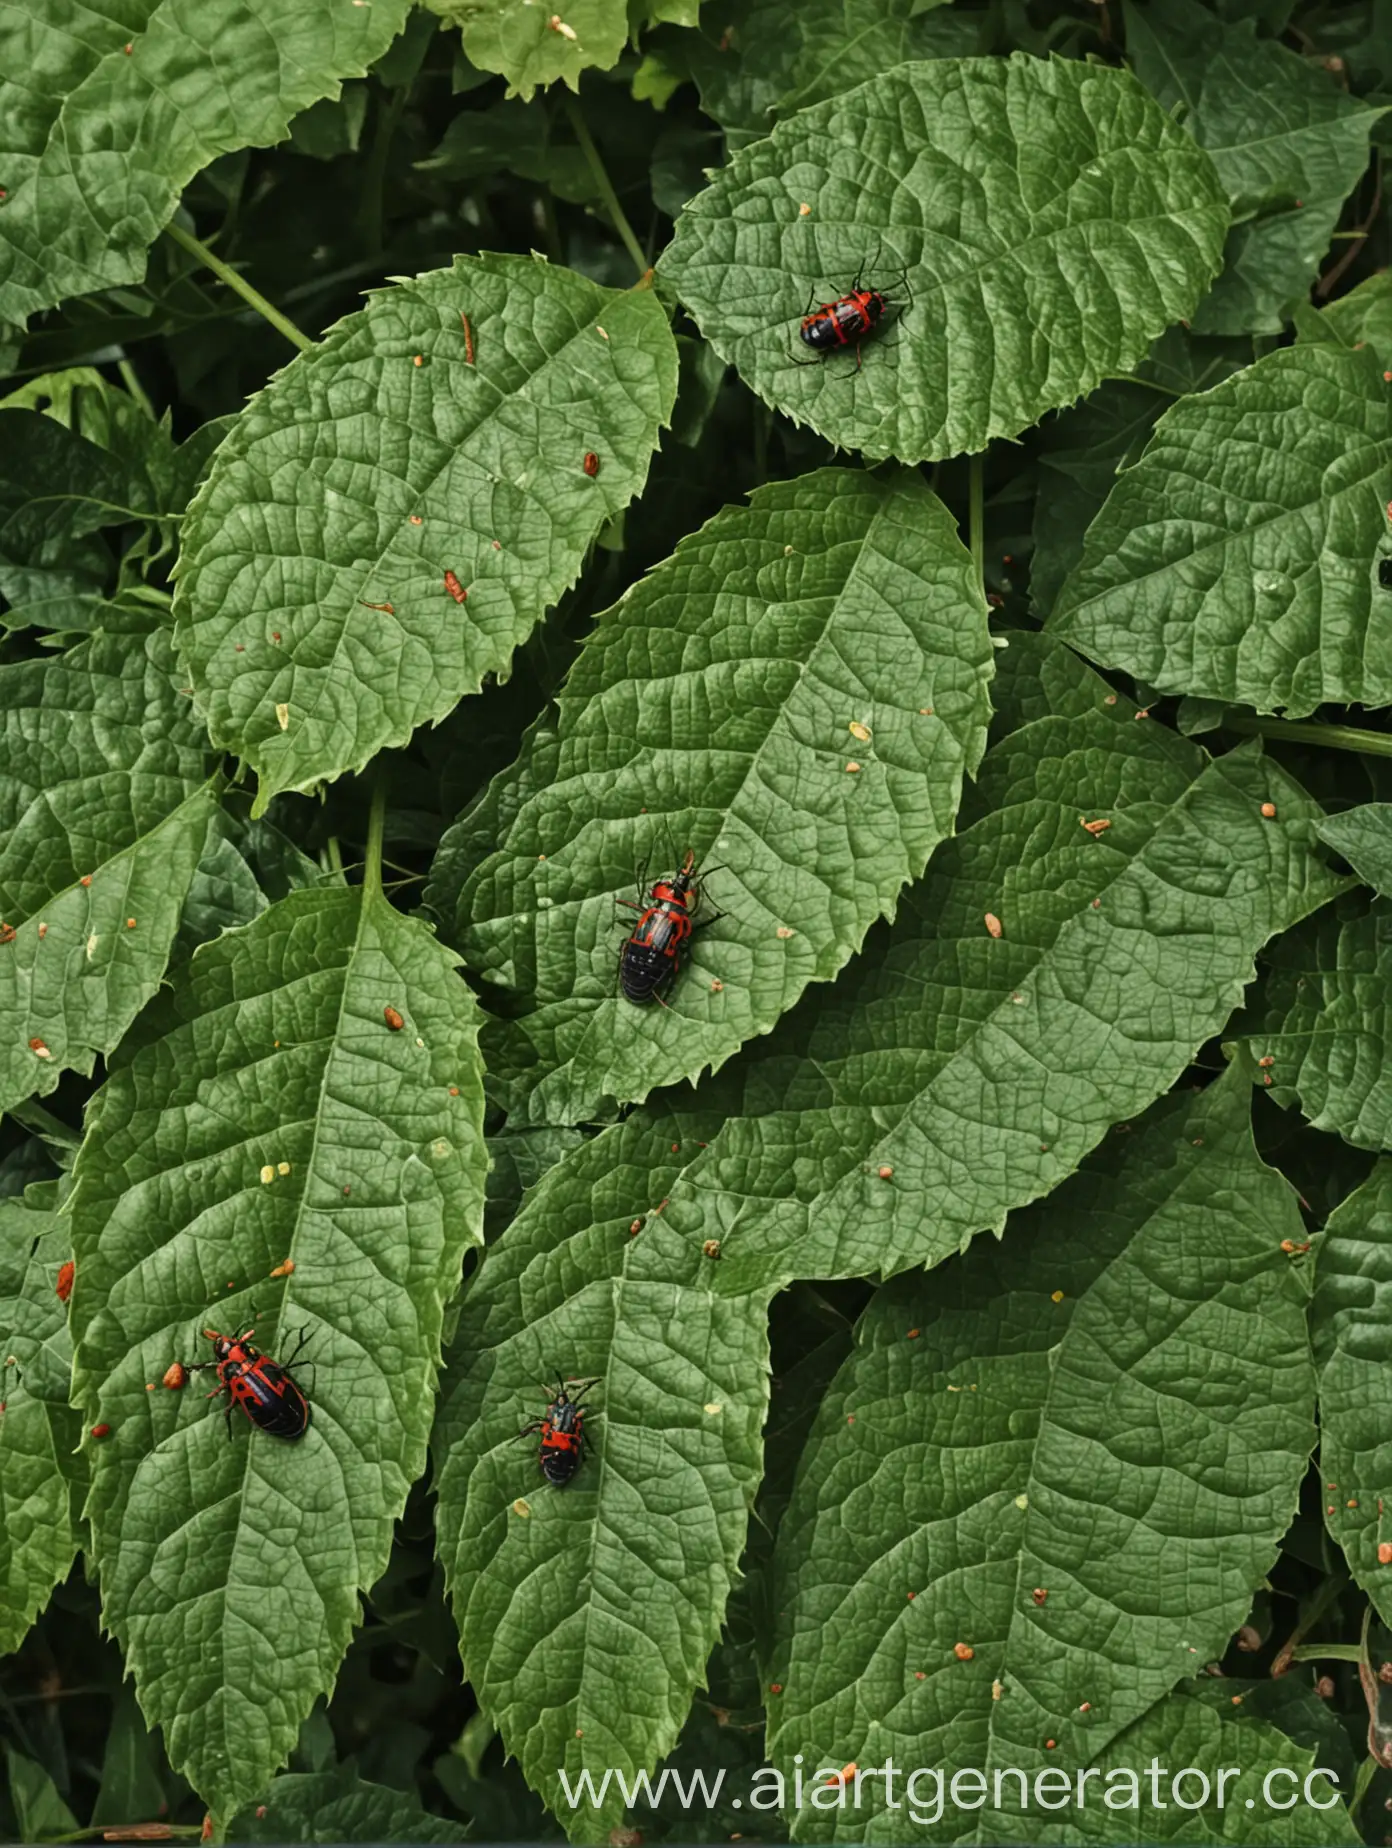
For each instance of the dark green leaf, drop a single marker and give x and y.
(1364, 837)
(796, 694)
(337, 1806)
(263, 1111)
(922, 175)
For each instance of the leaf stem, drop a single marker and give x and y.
(376, 833)
(135, 388)
(239, 284)
(43, 1124)
(1294, 731)
(605, 185)
(976, 523)
(375, 184)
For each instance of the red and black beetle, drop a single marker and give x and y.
(652, 957)
(265, 1389)
(562, 1431)
(847, 321)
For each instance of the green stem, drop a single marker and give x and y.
(606, 190)
(333, 853)
(376, 833)
(1293, 731)
(375, 184)
(1326, 1652)
(135, 388)
(225, 273)
(976, 521)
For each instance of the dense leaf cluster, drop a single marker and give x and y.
(425, 526)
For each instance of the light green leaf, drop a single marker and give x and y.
(112, 114)
(264, 1110)
(520, 42)
(950, 1077)
(1238, 559)
(587, 1614)
(770, 57)
(1288, 141)
(1027, 277)
(359, 478)
(1324, 1016)
(103, 814)
(338, 1806)
(1348, 1329)
(1194, 1734)
(1364, 837)
(41, 1481)
(796, 694)
(1075, 1453)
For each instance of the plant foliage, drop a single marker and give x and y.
(867, 522)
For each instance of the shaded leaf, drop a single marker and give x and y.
(765, 58)
(359, 478)
(1348, 1330)
(1288, 141)
(263, 1110)
(109, 122)
(1238, 559)
(131, 1790)
(917, 181)
(1074, 1453)
(103, 814)
(596, 1666)
(1364, 837)
(795, 694)
(1324, 1018)
(41, 1481)
(38, 1808)
(338, 1806)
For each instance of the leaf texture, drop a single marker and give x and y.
(103, 814)
(313, 607)
(796, 695)
(1238, 559)
(264, 1111)
(41, 1480)
(112, 113)
(1074, 1453)
(521, 42)
(586, 1614)
(1348, 1330)
(1036, 226)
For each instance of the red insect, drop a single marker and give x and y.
(393, 1019)
(591, 464)
(652, 956)
(67, 1270)
(455, 588)
(562, 1432)
(848, 321)
(265, 1389)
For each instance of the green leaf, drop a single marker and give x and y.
(771, 57)
(1199, 1733)
(38, 1808)
(1288, 141)
(56, 490)
(1363, 316)
(338, 1806)
(112, 116)
(520, 42)
(1364, 837)
(1324, 1016)
(922, 173)
(514, 138)
(103, 814)
(797, 694)
(586, 1615)
(1238, 559)
(359, 478)
(264, 1110)
(131, 1790)
(41, 1481)
(950, 1077)
(1075, 1453)
(1348, 1323)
